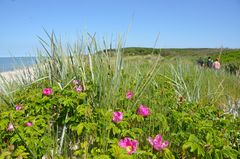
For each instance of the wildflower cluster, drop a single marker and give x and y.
(19, 107)
(77, 86)
(131, 145)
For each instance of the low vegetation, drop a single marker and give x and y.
(111, 105)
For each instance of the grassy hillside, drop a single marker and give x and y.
(175, 51)
(231, 56)
(170, 52)
(226, 55)
(230, 60)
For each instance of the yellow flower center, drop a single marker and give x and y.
(129, 148)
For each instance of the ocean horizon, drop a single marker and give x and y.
(13, 63)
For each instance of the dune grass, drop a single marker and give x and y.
(156, 82)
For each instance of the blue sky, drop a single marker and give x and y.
(181, 23)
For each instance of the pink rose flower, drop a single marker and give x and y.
(79, 89)
(18, 107)
(117, 117)
(75, 82)
(28, 124)
(143, 110)
(129, 145)
(129, 95)
(157, 143)
(10, 127)
(47, 91)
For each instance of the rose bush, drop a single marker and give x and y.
(42, 124)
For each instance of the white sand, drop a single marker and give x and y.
(8, 75)
(11, 75)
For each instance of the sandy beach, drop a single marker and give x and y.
(11, 75)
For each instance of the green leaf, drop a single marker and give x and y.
(193, 138)
(101, 157)
(80, 128)
(168, 154)
(200, 150)
(218, 154)
(186, 145)
(5, 154)
(209, 138)
(194, 146)
(231, 153)
(78, 153)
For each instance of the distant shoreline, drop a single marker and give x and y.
(12, 63)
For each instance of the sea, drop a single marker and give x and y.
(13, 63)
